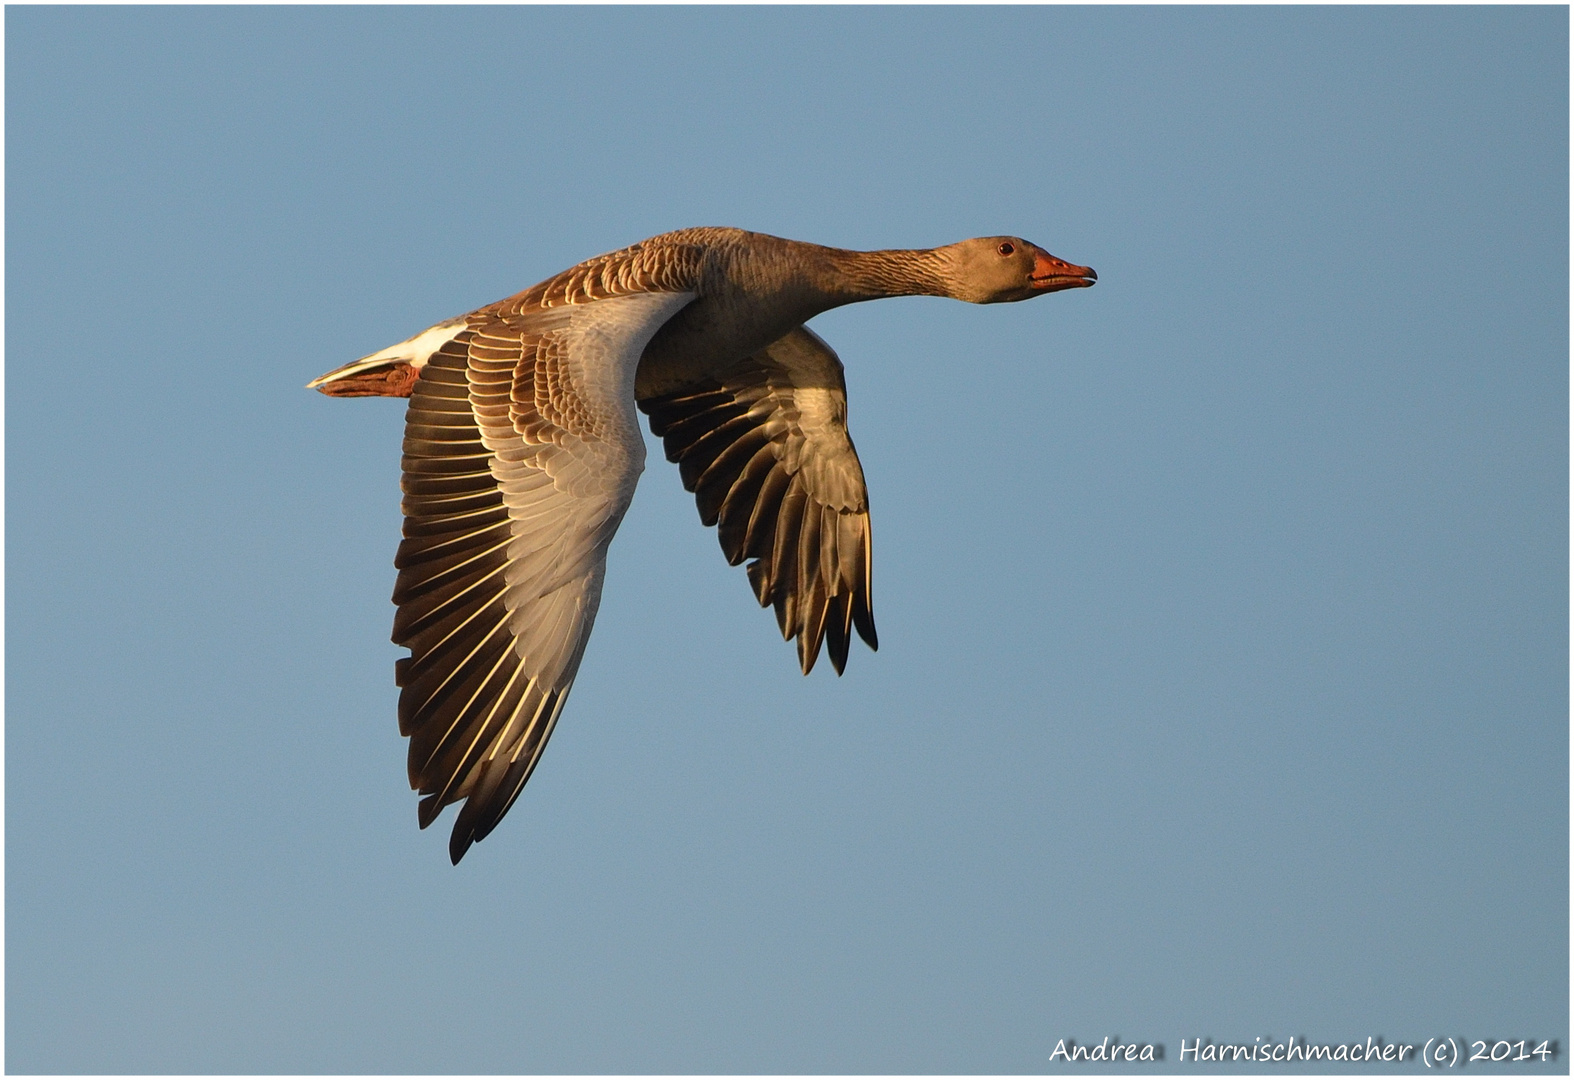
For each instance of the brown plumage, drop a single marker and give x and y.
(522, 450)
(765, 449)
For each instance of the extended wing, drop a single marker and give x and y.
(764, 447)
(521, 452)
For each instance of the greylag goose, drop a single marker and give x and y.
(522, 449)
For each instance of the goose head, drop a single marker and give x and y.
(1003, 269)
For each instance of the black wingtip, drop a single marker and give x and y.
(428, 809)
(808, 651)
(838, 627)
(863, 620)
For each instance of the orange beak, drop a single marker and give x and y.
(1051, 274)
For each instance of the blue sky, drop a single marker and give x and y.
(1222, 688)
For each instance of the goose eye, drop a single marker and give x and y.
(1006, 248)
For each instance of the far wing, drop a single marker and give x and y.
(764, 448)
(521, 452)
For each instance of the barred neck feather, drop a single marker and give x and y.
(873, 275)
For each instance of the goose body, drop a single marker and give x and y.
(522, 449)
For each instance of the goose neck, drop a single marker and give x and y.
(874, 275)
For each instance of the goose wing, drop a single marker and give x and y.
(521, 452)
(764, 447)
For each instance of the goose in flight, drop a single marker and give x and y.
(522, 449)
